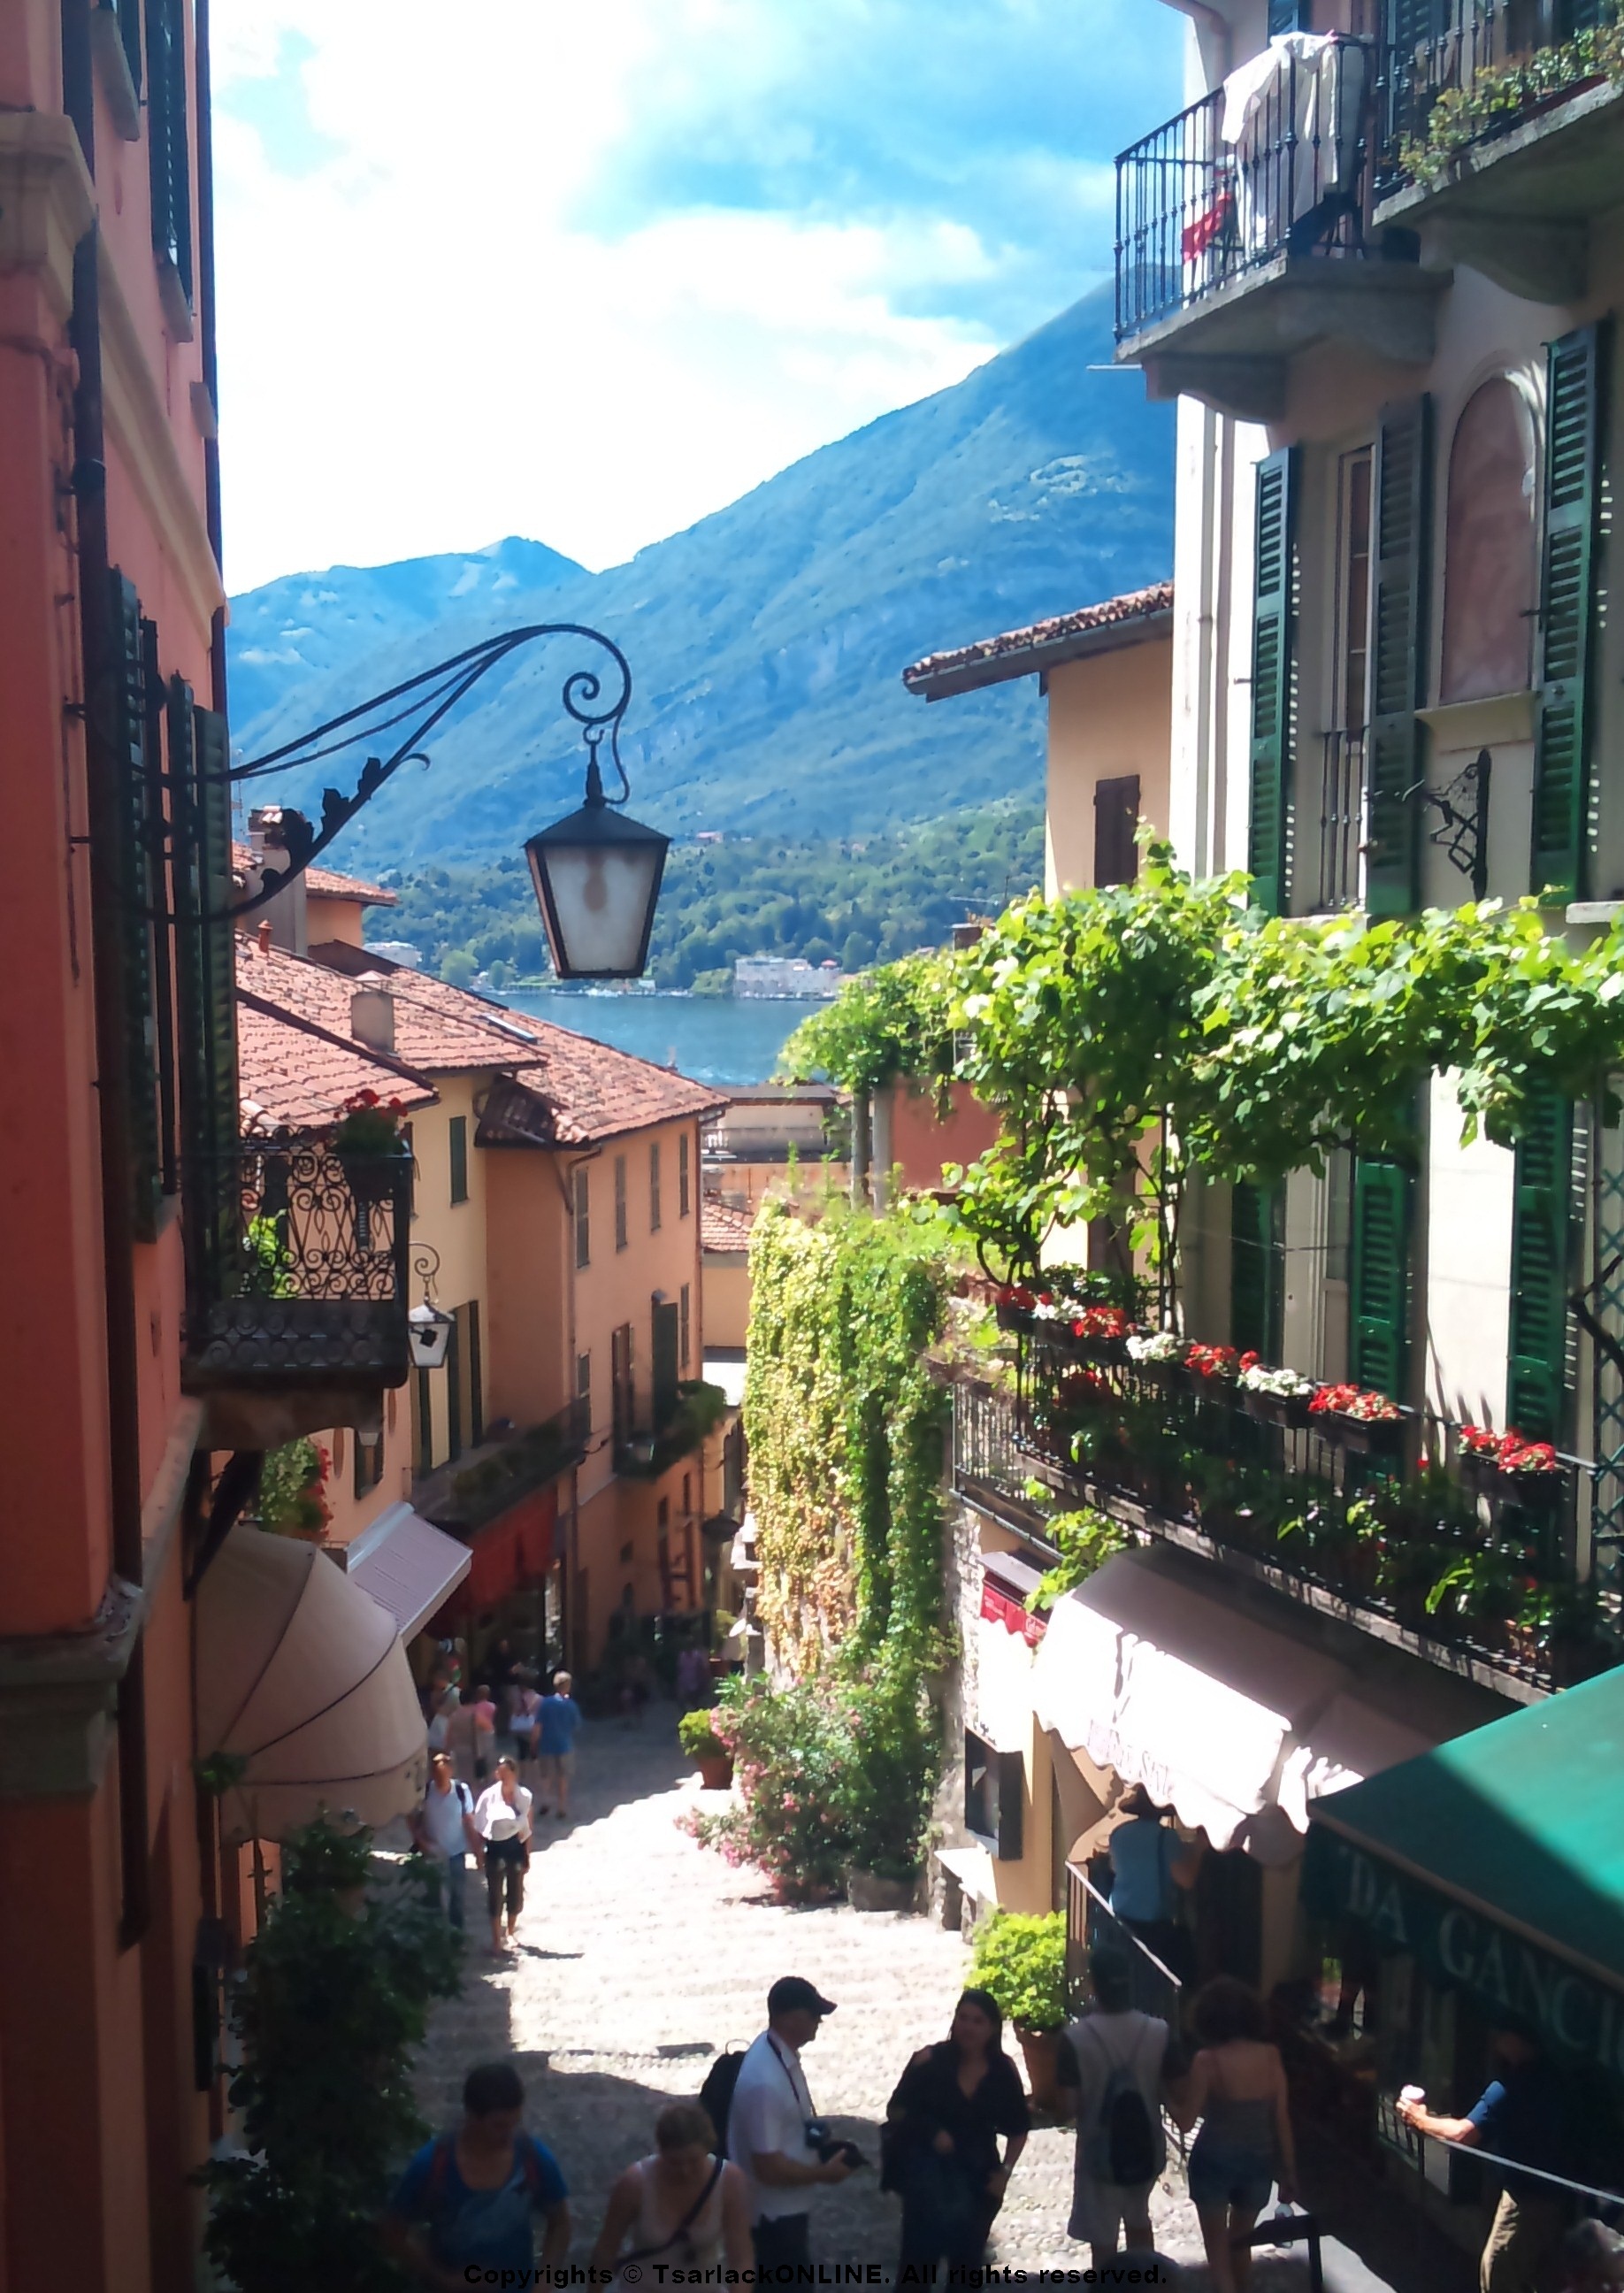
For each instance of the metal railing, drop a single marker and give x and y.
(1233, 181)
(992, 1463)
(1257, 1478)
(1342, 806)
(1091, 1924)
(296, 1267)
(1449, 50)
(480, 1489)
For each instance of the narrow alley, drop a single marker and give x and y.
(641, 1955)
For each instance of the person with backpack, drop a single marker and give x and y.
(1237, 2087)
(686, 2205)
(443, 1829)
(1110, 2077)
(772, 2130)
(942, 2127)
(463, 2211)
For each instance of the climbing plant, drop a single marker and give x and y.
(882, 1024)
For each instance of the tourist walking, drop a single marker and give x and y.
(502, 1819)
(524, 1719)
(684, 2204)
(1113, 2061)
(558, 1724)
(1236, 2087)
(693, 1680)
(445, 1832)
(775, 2134)
(477, 2191)
(1524, 2114)
(943, 2126)
(1150, 1868)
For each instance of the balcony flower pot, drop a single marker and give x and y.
(1288, 1409)
(1040, 2050)
(717, 1773)
(370, 1177)
(1365, 1437)
(872, 1891)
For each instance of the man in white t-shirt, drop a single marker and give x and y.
(772, 2130)
(1113, 2046)
(443, 1828)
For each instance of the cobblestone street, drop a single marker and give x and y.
(641, 1955)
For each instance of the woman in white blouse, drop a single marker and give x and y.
(501, 1817)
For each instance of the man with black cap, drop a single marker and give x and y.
(775, 2133)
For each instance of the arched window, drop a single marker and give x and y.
(1488, 576)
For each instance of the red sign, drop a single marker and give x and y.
(514, 1548)
(1001, 1607)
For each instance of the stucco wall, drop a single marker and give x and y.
(726, 1281)
(1110, 715)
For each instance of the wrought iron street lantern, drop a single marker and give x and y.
(597, 873)
(429, 1328)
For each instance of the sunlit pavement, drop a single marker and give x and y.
(640, 1954)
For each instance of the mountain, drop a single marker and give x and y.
(767, 642)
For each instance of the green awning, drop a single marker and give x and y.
(1499, 1860)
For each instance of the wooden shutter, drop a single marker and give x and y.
(137, 903)
(1567, 589)
(206, 978)
(453, 1386)
(1257, 1270)
(1402, 488)
(1537, 1365)
(667, 1341)
(1273, 630)
(1379, 1301)
(458, 1131)
(476, 1374)
(167, 150)
(1116, 816)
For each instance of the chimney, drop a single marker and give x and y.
(286, 912)
(372, 1013)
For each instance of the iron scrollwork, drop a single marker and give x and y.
(1462, 833)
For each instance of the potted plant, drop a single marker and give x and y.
(369, 1145)
(1099, 1334)
(1020, 1961)
(1360, 1419)
(292, 1497)
(887, 1787)
(1276, 1397)
(1504, 1466)
(1158, 1356)
(702, 1745)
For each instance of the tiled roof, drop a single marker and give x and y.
(723, 1227)
(431, 1032)
(1042, 645)
(292, 1077)
(326, 883)
(579, 1093)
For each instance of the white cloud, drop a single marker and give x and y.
(420, 351)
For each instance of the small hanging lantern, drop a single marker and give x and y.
(597, 877)
(429, 1328)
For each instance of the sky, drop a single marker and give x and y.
(588, 270)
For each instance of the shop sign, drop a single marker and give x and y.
(1000, 1608)
(1577, 2017)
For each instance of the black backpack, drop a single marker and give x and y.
(716, 2094)
(1124, 2146)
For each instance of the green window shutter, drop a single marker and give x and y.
(1537, 1365)
(206, 977)
(1257, 1286)
(454, 1384)
(476, 1375)
(1567, 589)
(1272, 626)
(1402, 488)
(168, 153)
(137, 887)
(667, 1341)
(459, 1128)
(1379, 1287)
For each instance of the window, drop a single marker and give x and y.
(620, 1222)
(687, 1494)
(470, 1374)
(623, 1392)
(143, 958)
(1353, 605)
(1257, 1268)
(169, 156)
(994, 1791)
(583, 1387)
(1489, 547)
(1116, 816)
(666, 1346)
(454, 1388)
(1343, 781)
(682, 1175)
(654, 1186)
(368, 1464)
(583, 1216)
(686, 1324)
(424, 1414)
(459, 1158)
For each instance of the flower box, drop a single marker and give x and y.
(1366, 1437)
(371, 1177)
(1288, 1409)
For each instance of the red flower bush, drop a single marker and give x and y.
(1508, 1451)
(1355, 1401)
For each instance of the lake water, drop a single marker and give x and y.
(712, 1038)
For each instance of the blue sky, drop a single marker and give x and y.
(589, 272)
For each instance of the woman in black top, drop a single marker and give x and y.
(951, 2104)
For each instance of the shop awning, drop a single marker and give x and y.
(303, 1677)
(1518, 1828)
(407, 1566)
(1236, 1722)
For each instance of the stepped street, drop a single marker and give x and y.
(641, 1955)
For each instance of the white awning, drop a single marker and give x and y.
(407, 1566)
(1234, 1723)
(303, 1676)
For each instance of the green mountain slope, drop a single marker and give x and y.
(767, 641)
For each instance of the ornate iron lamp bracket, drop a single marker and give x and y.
(1462, 833)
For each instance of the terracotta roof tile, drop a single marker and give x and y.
(292, 1078)
(431, 1032)
(992, 659)
(724, 1226)
(579, 1093)
(326, 883)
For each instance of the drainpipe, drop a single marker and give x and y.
(107, 898)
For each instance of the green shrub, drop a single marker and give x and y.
(1020, 1961)
(698, 1738)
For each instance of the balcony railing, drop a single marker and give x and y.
(295, 1270)
(1467, 53)
(991, 1465)
(1091, 1925)
(643, 1452)
(1236, 180)
(478, 1489)
(1342, 804)
(1427, 1547)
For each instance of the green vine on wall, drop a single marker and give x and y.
(884, 1024)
